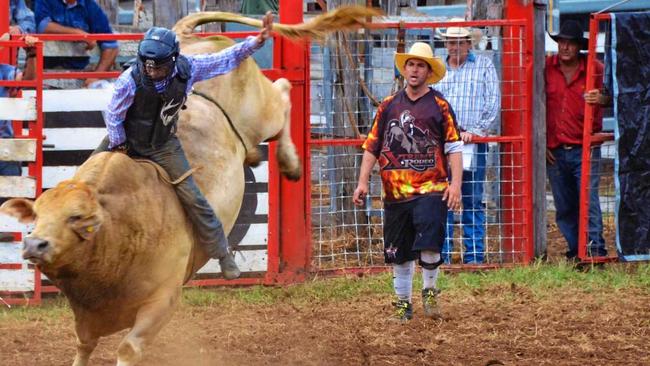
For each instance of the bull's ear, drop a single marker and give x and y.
(87, 227)
(20, 208)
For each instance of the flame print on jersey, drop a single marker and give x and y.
(411, 158)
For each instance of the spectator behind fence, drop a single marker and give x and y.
(565, 76)
(21, 18)
(9, 72)
(413, 136)
(76, 17)
(471, 86)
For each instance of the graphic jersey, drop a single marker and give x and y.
(408, 139)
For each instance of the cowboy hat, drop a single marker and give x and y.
(422, 51)
(572, 31)
(454, 32)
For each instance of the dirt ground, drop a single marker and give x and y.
(500, 326)
(509, 326)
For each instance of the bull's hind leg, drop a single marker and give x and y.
(150, 319)
(286, 153)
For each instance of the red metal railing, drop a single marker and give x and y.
(589, 139)
(516, 163)
(35, 168)
(287, 236)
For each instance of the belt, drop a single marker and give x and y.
(569, 146)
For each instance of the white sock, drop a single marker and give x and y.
(429, 276)
(403, 280)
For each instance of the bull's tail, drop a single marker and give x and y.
(340, 19)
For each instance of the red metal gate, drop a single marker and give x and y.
(286, 240)
(598, 154)
(27, 148)
(348, 78)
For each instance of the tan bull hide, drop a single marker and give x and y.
(115, 238)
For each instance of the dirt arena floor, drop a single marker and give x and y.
(502, 325)
(507, 325)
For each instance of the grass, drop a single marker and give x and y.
(51, 310)
(540, 279)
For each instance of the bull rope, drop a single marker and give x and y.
(232, 125)
(164, 175)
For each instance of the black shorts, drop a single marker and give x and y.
(413, 226)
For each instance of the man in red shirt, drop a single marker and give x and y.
(414, 138)
(565, 76)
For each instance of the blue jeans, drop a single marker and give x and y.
(564, 176)
(9, 168)
(473, 215)
(171, 157)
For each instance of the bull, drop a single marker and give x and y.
(115, 238)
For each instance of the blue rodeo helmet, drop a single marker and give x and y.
(159, 47)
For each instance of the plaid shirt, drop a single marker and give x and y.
(7, 72)
(204, 67)
(473, 91)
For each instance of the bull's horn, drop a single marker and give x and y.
(340, 19)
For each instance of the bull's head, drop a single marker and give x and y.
(65, 218)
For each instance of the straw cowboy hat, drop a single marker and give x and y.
(459, 33)
(454, 32)
(572, 31)
(422, 51)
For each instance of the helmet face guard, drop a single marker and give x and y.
(157, 71)
(153, 63)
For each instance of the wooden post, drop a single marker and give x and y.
(230, 6)
(539, 132)
(487, 9)
(346, 119)
(166, 13)
(111, 10)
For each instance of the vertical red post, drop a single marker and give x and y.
(293, 234)
(517, 102)
(35, 168)
(585, 176)
(4, 27)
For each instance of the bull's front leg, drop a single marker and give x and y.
(149, 321)
(86, 343)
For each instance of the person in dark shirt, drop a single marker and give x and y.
(414, 138)
(76, 17)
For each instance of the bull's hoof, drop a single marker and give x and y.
(293, 175)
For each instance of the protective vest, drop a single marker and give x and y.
(151, 119)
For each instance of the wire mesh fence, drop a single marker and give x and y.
(602, 221)
(350, 75)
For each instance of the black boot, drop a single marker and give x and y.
(229, 267)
